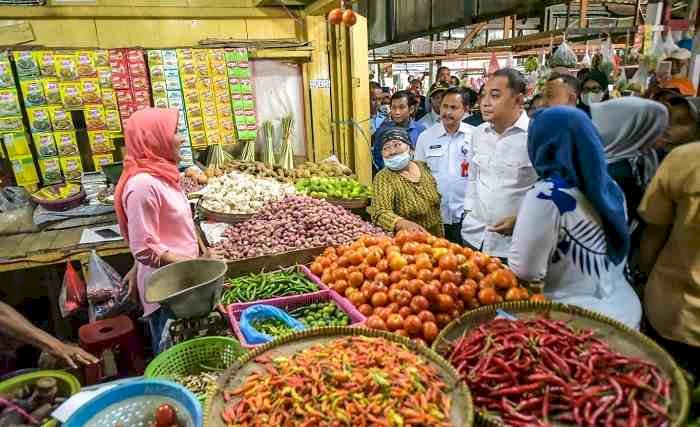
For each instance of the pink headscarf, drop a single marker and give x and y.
(150, 149)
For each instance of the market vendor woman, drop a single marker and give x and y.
(405, 193)
(572, 229)
(153, 212)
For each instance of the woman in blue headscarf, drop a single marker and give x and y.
(572, 228)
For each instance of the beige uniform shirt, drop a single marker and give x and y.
(672, 295)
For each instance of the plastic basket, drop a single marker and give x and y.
(290, 303)
(67, 384)
(188, 357)
(314, 278)
(134, 403)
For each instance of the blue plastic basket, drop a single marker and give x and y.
(140, 397)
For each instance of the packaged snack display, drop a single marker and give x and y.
(32, 93)
(50, 169)
(27, 67)
(112, 121)
(47, 63)
(39, 119)
(60, 118)
(44, 144)
(71, 94)
(52, 91)
(67, 67)
(101, 58)
(90, 91)
(241, 89)
(11, 124)
(100, 160)
(9, 103)
(72, 167)
(95, 117)
(67, 143)
(7, 80)
(86, 63)
(16, 145)
(109, 99)
(100, 141)
(25, 171)
(104, 76)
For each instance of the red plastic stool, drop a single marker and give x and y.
(118, 335)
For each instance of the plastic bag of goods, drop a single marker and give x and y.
(73, 295)
(106, 293)
(253, 316)
(640, 81)
(563, 57)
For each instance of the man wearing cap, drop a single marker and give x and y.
(436, 93)
(445, 148)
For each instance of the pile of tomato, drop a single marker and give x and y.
(414, 284)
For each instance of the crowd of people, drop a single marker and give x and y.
(597, 198)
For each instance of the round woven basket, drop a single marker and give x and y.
(462, 408)
(617, 335)
(223, 217)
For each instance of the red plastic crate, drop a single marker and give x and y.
(290, 303)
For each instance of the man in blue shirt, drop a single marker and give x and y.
(403, 106)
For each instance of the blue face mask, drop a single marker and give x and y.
(398, 162)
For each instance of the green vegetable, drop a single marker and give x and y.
(332, 188)
(272, 327)
(322, 314)
(254, 287)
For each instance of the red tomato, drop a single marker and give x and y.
(426, 316)
(430, 331)
(401, 332)
(419, 303)
(340, 287)
(409, 272)
(379, 299)
(442, 320)
(393, 307)
(355, 279)
(376, 322)
(394, 322)
(414, 286)
(317, 268)
(397, 262)
(448, 276)
(448, 262)
(467, 292)
(410, 248)
(393, 294)
(370, 273)
(366, 310)
(335, 16)
(405, 311)
(383, 265)
(357, 299)
(412, 325)
(404, 298)
(423, 262)
(445, 303)
(381, 278)
(418, 341)
(429, 291)
(395, 276)
(425, 275)
(165, 415)
(450, 289)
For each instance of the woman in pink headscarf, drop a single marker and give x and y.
(152, 210)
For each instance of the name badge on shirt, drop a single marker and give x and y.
(433, 147)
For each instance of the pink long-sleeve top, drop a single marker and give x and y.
(159, 221)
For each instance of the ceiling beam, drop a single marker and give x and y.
(136, 12)
(476, 29)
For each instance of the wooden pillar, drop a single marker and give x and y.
(362, 141)
(637, 12)
(508, 25)
(318, 100)
(583, 23)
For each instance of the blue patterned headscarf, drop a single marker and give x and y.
(563, 144)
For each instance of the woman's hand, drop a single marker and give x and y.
(72, 355)
(404, 224)
(130, 281)
(214, 252)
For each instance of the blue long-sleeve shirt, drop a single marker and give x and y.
(414, 129)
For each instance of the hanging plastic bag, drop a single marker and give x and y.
(263, 312)
(640, 81)
(586, 61)
(493, 64)
(607, 54)
(105, 291)
(563, 57)
(668, 45)
(73, 295)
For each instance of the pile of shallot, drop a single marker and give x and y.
(296, 222)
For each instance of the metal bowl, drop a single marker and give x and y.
(187, 288)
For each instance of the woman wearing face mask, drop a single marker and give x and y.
(594, 89)
(405, 193)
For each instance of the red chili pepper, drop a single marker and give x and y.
(634, 415)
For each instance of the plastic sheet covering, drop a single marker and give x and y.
(278, 93)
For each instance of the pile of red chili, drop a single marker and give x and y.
(347, 381)
(540, 372)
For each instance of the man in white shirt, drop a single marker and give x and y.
(500, 172)
(437, 91)
(445, 148)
